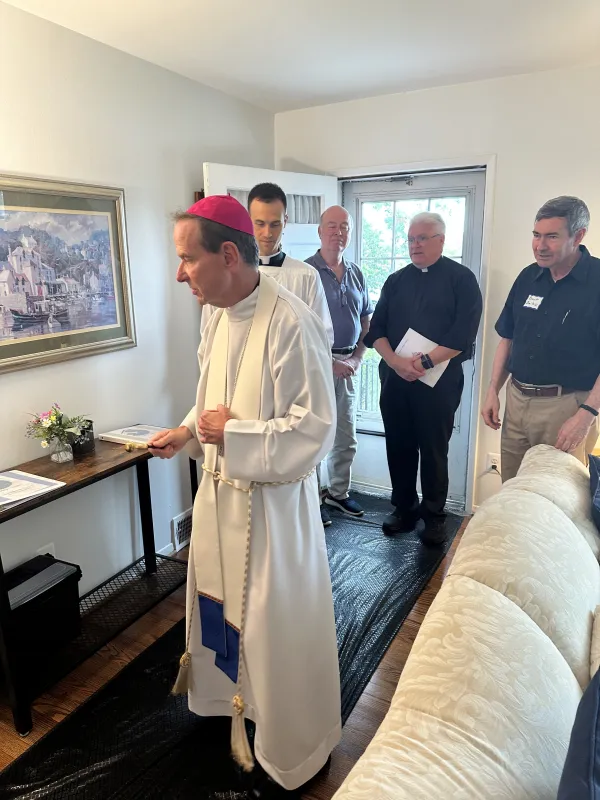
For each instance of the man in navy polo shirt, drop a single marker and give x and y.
(350, 308)
(550, 345)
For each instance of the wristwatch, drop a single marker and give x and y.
(426, 362)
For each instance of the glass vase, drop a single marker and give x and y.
(62, 453)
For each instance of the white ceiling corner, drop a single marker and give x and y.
(287, 55)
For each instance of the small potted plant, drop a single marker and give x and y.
(84, 442)
(55, 428)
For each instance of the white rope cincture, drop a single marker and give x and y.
(240, 746)
(183, 682)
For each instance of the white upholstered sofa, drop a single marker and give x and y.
(486, 701)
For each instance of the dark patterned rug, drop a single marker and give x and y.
(133, 740)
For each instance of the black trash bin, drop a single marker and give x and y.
(44, 599)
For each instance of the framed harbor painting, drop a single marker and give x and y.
(64, 273)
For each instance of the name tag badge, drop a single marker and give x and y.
(533, 302)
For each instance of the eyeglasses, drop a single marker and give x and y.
(334, 228)
(421, 239)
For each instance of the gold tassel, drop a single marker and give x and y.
(240, 746)
(183, 684)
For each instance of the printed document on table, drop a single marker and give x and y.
(414, 343)
(17, 486)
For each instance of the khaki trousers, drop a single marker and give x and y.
(339, 461)
(529, 421)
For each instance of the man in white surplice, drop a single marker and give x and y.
(267, 206)
(261, 634)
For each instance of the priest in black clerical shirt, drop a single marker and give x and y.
(439, 299)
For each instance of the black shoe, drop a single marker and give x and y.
(434, 533)
(347, 505)
(325, 767)
(399, 523)
(325, 518)
(320, 774)
(265, 788)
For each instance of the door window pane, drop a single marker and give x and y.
(405, 211)
(368, 390)
(452, 211)
(376, 230)
(384, 249)
(376, 272)
(400, 263)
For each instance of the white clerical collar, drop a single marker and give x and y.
(266, 260)
(244, 309)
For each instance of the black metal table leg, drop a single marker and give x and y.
(193, 478)
(145, 500)
(19, 702)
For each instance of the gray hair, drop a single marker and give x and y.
(572, 209)
(430, 218)
(213, 235)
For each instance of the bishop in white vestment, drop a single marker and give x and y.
(260, 617)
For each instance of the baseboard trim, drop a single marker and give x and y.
(455, 506)
(371, 488)
(169, 550)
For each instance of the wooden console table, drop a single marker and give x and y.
(106, 610)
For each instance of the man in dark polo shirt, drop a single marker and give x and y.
(440, 299)
(550, 345)
(350, 308)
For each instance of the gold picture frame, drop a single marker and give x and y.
(65, 289)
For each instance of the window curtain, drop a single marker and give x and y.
(302, 209)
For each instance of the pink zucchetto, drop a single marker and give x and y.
(224, 209)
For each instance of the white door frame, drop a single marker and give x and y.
(489, 162)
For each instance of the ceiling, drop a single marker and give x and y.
(286, 54)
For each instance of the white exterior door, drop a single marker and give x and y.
(308, 196)
(382, 211)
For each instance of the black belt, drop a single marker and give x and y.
(540, 391)
(342, 351)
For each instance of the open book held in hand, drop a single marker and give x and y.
(412, 344)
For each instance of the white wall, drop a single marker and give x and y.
(74, 109)
(543, 128)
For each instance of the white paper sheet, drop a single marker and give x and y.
(17, 486)
(414, 343)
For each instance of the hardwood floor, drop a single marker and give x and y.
(52, 707)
